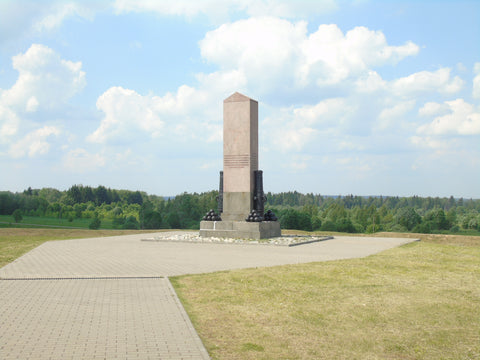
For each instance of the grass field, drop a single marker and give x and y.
(419, 301)
(36, 221)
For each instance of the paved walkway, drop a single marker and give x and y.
(110, 298)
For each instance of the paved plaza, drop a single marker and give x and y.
(110, 298)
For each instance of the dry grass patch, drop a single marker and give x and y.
(455, 240)
(14, 242)
(419, 301)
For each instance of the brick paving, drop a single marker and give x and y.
(110, 298)
(95, 319)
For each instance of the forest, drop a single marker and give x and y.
(125, 209)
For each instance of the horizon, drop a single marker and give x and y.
(274, 193)
(355, 97)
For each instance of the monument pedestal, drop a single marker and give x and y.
(240, 229)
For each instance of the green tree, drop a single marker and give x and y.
(135, 198)
(316, 223)
(437, 219)
(152, 220)
(131, 223)
(95, 224)
(408, 218)
(74, 195)
(304, 221)
(451, 217)
(101, 195)
(345, 225)
(173, 220)
(17, 215)
(290, 219)
(328, 225)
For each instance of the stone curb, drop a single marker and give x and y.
(311, 241)
(194, 334)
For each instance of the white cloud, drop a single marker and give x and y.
(59, 11)
(32, 104)
(350, 146)
(294, 138)
(274, 53)
(476, 81)
(433, 108)
(297, 163)
(292, 129)
(326, 111)
(439, 145)
(462, 119)
(218, 10)
(329, 56)
(81, 161)
(45, 80)
(212, 8)
(189, 113)
(428, 82)
(125, 112)
(223, 82)
(35, 143)
(9, 123)
(289, 9)
(391, 115)
(357, 166)
(32, 17)
(263, 49)
(285, 134)
(397, 111)
(370, 82)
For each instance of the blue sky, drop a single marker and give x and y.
(355, 97)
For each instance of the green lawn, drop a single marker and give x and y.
(36, 221)
(419, 301)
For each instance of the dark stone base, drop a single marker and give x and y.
(240, 229)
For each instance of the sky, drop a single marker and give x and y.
(355, 97)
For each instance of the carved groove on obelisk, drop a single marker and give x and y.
(237, 161)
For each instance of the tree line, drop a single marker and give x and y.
(355, 214)
(359, 214)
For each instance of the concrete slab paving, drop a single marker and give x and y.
(110, 298)
(128, 256)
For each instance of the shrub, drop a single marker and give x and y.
(95, 224)
(328, 225)
(131, 223)
(118, 222)
(345, 225)
(398, 228)
(153, 220)
(17, 215)
(373, 228)
(408, 218)
(455, 229)
(423, 228)
(316, 223)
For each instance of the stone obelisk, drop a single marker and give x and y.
(241, 181)
(240, 155)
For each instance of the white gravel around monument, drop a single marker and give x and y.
(285, 240)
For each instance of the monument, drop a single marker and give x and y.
(241, 198)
